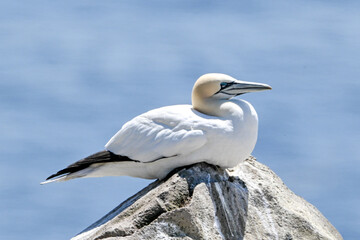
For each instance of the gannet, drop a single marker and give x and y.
(216, 129)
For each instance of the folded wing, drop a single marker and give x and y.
(160, 133)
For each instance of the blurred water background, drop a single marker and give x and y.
(72, 72)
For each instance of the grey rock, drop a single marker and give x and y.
(201, 201)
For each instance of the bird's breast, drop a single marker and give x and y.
(237, 142)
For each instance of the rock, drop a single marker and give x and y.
(247, 202)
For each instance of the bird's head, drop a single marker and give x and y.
(214, 86)
(222, 86)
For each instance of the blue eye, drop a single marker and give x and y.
(223, 84)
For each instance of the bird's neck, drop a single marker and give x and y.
(217, 107)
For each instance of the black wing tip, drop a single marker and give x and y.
(57, 174)
(99, 157)
(51, 176)
(81, 164)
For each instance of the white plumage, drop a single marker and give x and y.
(215, 129)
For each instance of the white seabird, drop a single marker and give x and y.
(215, 129)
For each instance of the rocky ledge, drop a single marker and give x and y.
(204, 202)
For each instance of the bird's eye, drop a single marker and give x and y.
(225, 84)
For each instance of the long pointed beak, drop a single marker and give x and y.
(241, 87)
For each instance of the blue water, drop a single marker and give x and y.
(72, 72)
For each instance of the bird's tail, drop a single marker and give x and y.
(59, 179)
(87, 165)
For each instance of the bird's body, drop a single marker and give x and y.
(215, 129)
